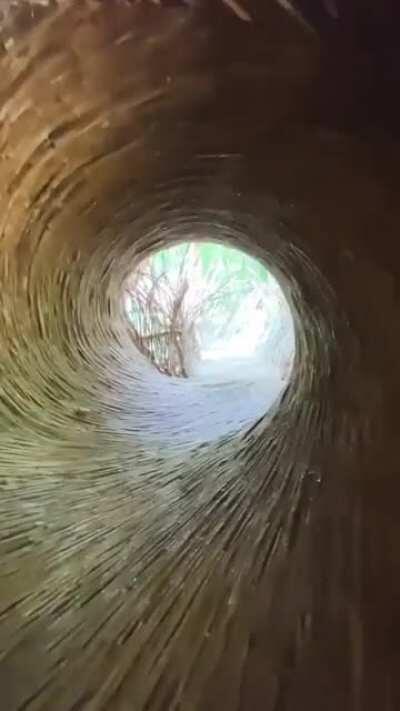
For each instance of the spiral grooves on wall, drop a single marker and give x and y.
(159, 549)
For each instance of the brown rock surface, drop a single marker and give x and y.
(141, 569)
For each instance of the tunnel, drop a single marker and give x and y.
(160, 550)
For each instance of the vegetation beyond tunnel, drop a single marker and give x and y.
(196, 303)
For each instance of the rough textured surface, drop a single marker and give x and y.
(259, 570)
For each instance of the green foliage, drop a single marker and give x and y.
(184, 293)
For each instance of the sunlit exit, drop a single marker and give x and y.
(203, 306)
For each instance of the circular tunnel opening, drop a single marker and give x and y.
(216, 321)
(201, 307)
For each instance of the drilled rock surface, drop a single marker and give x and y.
(144, 563)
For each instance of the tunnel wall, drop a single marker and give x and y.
(142, 569)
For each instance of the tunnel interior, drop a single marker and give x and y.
(166, 548)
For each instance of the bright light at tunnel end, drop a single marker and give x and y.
(202, 309)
